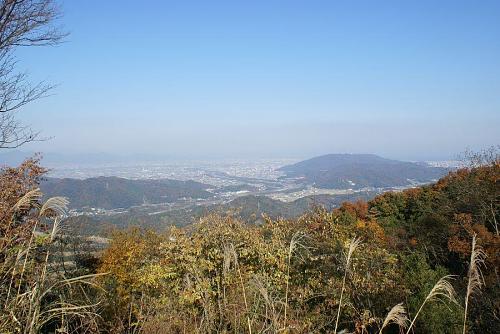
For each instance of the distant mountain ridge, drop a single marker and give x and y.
(358, 171)
(114, 192)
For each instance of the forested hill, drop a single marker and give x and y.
(361, 170)
(250, 209)
(115, 192)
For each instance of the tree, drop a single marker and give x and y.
(22, 23)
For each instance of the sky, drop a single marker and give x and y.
(412, 80)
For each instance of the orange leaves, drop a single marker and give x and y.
(461, 232)
(461, 236)
(371, 230)
(358, 209)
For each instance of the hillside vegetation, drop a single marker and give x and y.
(424, 260)
(249, 209)
(361, 170)
(115, 192)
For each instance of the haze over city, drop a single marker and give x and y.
(261, 79)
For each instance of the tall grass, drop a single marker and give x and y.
(397, 315)
(234, 255)
(442, 290)
(474, 276)
(30, 302)
(355, 242)
(296, 242)
(271, 321)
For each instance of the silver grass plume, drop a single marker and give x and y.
(353, 245)
(57, 205)
(474, 275)
(28, 200)
(442, 290)
(397, 315)
(296, 242)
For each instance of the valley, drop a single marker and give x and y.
(158, 195)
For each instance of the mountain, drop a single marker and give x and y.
(358, 171)
(114, 192)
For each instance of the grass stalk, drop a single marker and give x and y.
(474, 276)
(295, 242)
(442, 290)
(355, 242)
(237, 266)
(397, 315)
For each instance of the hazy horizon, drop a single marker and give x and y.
(53, 159)
(409, 81)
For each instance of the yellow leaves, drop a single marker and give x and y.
(154, 275)
(190, 271)
(360, 224)
(127, 256)
(371, 231)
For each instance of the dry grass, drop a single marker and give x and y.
(474, 275)
(232, 252)
(353, 245)
(29, 302)
(442, 291)
(54, 206)
(397, 315)
(28, 201)
(296, 242)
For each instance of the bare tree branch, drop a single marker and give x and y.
(22, 23)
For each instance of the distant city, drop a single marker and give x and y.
(227, 180)
(217, 173)
(203, 171)
(103, 185)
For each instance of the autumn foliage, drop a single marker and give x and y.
(303, 275)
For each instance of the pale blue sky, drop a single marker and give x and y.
(404, 79)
